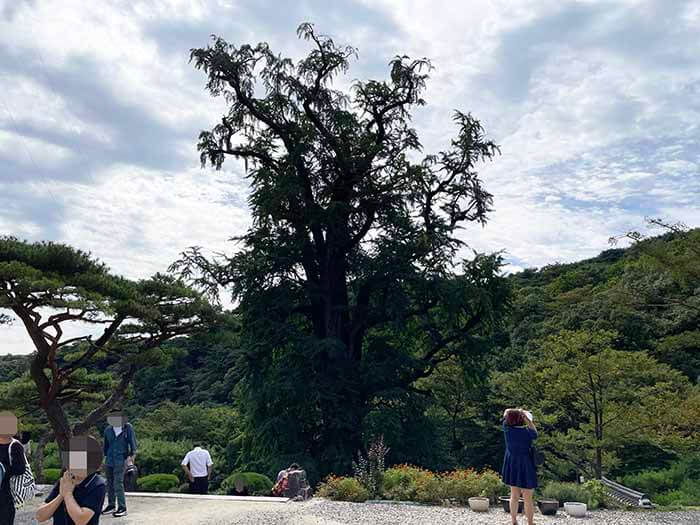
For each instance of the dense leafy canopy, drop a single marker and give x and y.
(345, 283)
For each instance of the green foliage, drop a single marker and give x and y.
(597, 494)
(251, 482)
(682, 351)
(564, 492)
(590, 396)
(13, 366)
(688, 494)
(403, 482)
(460, 485)
(51, 475)
(194, 370)
(343, 489)
(52, 459)
(156, 456)
(677, 485)
(201, 425)
(232, 391)
(409, 483)
(158, 482)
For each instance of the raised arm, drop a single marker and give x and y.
(532, 428)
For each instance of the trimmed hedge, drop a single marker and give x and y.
(158, 482)
(253, 483)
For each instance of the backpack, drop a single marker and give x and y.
(280, 487)
(22, 487)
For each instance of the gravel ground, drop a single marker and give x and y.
(147, 511)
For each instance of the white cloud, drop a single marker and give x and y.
(31, 152)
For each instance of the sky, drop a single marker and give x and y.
(595, 104)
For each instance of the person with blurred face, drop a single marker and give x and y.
(9, 466)
(519, 470)
(197, 465)
(119, 451)
(78, 496)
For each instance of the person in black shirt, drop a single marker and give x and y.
(8, 428)
(77, 497)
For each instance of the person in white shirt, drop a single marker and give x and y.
(197, 466)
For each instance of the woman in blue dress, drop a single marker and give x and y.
(519, 469)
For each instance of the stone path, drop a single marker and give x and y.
(167, 511)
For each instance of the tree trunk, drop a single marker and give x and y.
(598, 462)
(52, 407)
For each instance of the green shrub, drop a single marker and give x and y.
(408, 483)
(654, 483)
(460, 485)
(255, 484)
(675, 486)
(51, 475)
(676, 498)
(155, 456)
(564, 492)
(52, 459)
(597, 494)
(158, 482)
(401, 483)
(430, 489)
(490, 485)
(343, 489)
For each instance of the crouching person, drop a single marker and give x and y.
(79, 494)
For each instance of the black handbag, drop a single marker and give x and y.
(537, 455)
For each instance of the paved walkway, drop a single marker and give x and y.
(171, 511)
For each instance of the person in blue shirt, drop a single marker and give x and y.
(78, 496)
(519, 470)
(119, 450)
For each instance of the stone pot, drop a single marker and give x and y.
(575, 509)
(548, 507)
(505, 501)
(479, 504)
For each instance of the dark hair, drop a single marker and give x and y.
(294, 466)
(88, 444)
(514, 418)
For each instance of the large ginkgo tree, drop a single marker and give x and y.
(349, 282)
